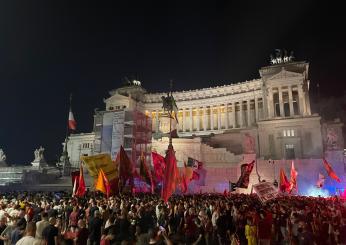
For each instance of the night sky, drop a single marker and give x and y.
(48, 51)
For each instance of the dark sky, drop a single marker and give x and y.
(49, 50)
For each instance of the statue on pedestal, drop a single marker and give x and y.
(2, 159)
(2, 156)
(39, 160)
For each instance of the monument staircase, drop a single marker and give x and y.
(221, 165)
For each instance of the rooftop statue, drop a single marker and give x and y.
(281, 57)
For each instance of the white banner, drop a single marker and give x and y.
(117, 133)
(266, 191)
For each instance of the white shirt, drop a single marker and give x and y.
(214, 218)
(27, 240)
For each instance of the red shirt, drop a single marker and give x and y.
(265, 227)
(74, 218)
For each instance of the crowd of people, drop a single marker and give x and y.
(58, 218)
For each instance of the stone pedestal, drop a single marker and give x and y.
(39, 163)
(3, 164)
(248, 158)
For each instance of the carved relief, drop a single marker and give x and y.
(249, 144)
(332, 139)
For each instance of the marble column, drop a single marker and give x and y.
(198, 119)
(191, 120)
(234, 115)
(290, 100)
(157, 121)
(256, 109)
(218, 117)
(302, 106)
(211, 118)
(226, 116)
(241, 123)
(184, 120)
(204, 118)
(270, 103)
(248, 113)
(281, 103)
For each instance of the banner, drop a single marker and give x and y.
(265, 191)
(244, 179)
(101, 161)
(117, 132)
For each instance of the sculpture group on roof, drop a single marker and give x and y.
(281, 57)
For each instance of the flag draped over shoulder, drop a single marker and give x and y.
(81, 183)
(102, 183)
(284, 183)
(244, 179)
(159, 166)
(293, 182)
(330, 171)
(170, 175)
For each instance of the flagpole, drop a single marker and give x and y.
(170, 114)
(65, 153)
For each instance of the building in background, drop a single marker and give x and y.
(268, 119)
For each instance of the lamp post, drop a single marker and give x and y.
(274, 179)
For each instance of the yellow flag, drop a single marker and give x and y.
(101, 161)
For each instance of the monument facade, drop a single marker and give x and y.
(224, 126)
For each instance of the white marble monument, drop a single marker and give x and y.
(39, 160)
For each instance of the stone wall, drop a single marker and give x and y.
(217, 178)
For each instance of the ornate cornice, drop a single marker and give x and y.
(207, 93)
(213, 101)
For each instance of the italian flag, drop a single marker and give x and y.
(71, 122)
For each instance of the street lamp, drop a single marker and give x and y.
(274, 179)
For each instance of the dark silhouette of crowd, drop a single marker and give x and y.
(203, 219)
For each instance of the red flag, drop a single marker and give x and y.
(81, 184)
(320, 181)
(74, 176)
(72, 124)
(284, 184)
(293, 182)
(125, 165)
(330, 170)
(195, 176)
(184, 184)
(170, 175)
(145, 173)
(159, 166)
